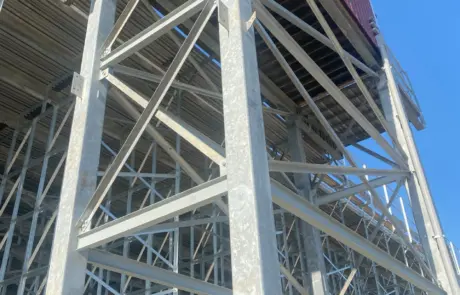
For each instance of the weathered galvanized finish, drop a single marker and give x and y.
(42, 40)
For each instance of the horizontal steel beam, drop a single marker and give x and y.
(155, 274)
(297, 167)
(356, 189)
(127, 71)
(311, 214)
(140, 174)
(186, 223)
(153, 32)
(30, 273)
(186, 201)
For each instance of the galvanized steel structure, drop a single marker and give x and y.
(210, 147)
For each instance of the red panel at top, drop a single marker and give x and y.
(362, 10)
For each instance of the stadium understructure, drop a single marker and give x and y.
(211, 147)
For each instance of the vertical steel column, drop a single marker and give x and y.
(214, 247)
(373, 265)
(302, 259)
(192, 250)
(316, 267)
(9, 158)
(255, 266)
(394, 278)
(108, 205)
(406, 221)
(387, 198)
(283, 249)
(150, 237)
(10, 233)
(425, 214)
(177, 189)
(222, 257)
(67, 266)
(329, 255)
(41, 186)
(129, 200)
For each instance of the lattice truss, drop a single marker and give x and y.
(119, 179)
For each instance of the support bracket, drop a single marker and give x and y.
(223, 12)
(78, 83)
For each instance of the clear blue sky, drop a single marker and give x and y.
(425, 37)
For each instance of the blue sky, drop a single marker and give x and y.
(425, 37)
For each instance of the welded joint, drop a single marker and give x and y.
(223, 167)
(106, 52)
(85, 226)
(105, 73)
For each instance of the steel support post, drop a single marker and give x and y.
(10, 233)
(174, 256)
(316, 268)
(424, 210)
(255, 266)
(126, 241)
(41, 186)
(7, 165)
(301, 252)
(374, 269)
(67, 266)
(284, 251)
(150, 237)
(394, 279)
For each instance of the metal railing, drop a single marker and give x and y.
(403, 81)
